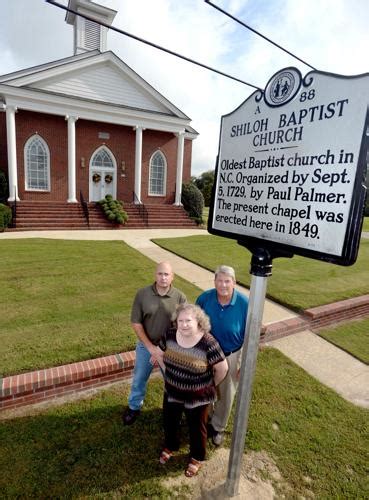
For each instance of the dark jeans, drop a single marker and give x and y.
(197, 419)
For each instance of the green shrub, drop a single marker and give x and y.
(5, 216)
(193, 202)
(113, 210)
(3, 187)
(205, 183)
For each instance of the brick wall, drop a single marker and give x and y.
(53, 129)
(187, 160)
(41, 385)
(318, 317)
(167, 144)
(120, 142)
(119, 139)
(345, 310)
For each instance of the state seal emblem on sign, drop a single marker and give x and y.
(282, 87)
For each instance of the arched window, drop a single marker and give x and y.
(102, 158)
(158, 172)
(37, 164)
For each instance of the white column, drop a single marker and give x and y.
(180, 149)
(138, 164)
(12, 153)
(71, 158)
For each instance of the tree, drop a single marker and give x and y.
(205, 183)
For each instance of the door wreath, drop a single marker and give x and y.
(108, 178)
(96, 178)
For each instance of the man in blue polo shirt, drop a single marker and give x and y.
(227, 310)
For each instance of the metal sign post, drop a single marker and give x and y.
(261, 265)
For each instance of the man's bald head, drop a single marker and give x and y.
(163, 276)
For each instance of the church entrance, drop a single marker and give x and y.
(103, 175)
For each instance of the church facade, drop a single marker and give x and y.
(89, 125)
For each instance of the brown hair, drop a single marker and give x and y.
(202, 319)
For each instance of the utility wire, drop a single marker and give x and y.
(257, 33)
(52, 2)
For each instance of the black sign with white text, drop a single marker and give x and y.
(291, 166)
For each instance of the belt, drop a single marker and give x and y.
(226, 354)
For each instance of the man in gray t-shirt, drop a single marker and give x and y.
(152, 314)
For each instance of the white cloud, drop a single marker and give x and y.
(329, 34)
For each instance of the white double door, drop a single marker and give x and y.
(102, 182)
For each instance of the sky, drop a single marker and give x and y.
(330, 35)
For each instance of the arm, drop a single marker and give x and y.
(141, 334)
(220, 371)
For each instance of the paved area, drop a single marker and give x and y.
(332, 366)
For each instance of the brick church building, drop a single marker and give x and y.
(86, 126)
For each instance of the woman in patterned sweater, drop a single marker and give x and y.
(194, 365)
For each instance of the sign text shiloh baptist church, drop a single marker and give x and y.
(290, 128)
(290, 164)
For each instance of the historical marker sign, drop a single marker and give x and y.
(291, 166)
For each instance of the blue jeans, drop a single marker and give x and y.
(141, 374)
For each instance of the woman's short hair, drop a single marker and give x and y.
(202, 319)
(228, 270)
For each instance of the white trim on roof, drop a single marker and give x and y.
(10, 77)
(43, 102)
(41, 75)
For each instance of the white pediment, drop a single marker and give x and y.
(103, 83)
(99, 77)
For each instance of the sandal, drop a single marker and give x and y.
(193, 467)
(165, 455)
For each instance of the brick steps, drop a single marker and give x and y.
(42, 215)
(158, 216)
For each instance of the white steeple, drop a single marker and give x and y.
(89, 35)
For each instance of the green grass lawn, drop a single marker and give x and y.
(298, 283)
(82, 450)
(63, 301)
(205, 216)
(366, 224)
(353, 337)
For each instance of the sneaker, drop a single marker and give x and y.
(218, 438)
(130, 416)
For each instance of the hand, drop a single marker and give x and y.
(153, 361)
(160, 359)
(157, 356)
